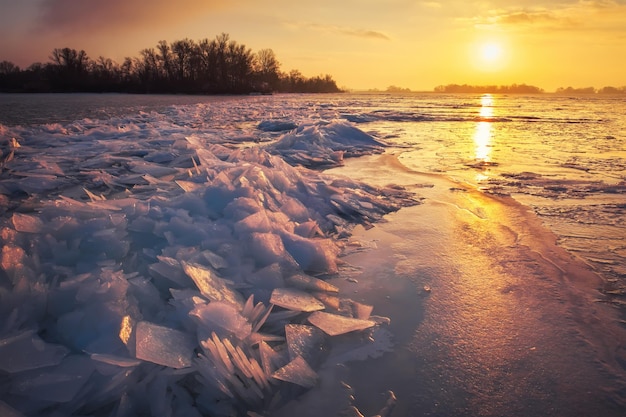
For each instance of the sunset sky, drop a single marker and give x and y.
(362, 43)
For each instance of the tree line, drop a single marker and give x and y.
(591, 90)
(523, 89)
(491, 89)
(217, 66)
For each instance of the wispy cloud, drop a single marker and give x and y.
(525, 17)
(363, 33)
(580, 15)
(341, 30)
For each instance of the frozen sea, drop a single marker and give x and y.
(352, 254)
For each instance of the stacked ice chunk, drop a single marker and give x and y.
(174, 276)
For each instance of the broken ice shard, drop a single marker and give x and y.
(305, 282)
(26, 351)
(270, 359)
(163, 346)
(212, 286)
(60, 383)
(276, 125)
(297, 372)
(27, 223)
(295, 300)
(333, 324)
(118, 361)
(222, 318)
(361, 311)
(268, 248)
(8, 411)
(314, 255)
(305, 341)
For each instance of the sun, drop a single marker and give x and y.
(489, 55)
(491, 52)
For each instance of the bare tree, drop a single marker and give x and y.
(70, 60)
(165, 55)
(267, 68)
(7, 67)
(183, 51)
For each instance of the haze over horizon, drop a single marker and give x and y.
(363, 45)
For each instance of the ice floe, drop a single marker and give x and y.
(324, 144)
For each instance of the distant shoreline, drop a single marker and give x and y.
(502, 89)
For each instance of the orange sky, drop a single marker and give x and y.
(362, 43)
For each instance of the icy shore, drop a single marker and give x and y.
(160, 272)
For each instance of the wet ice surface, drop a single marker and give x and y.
(490, 319)
(191, 255)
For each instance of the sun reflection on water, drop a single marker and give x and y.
(483, 134)
(482, 141)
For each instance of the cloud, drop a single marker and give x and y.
(580, 15)
(524, 17)
(362, 33)
(577, 15)
(71, 16)
(601, 4)
(347, 31)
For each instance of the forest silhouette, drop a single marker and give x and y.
(523, 89)
(217, 66)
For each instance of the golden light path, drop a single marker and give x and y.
(483, 133)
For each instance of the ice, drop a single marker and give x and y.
(115, 360)
(26, 351)
(296, 210)
(309, 145)
(306, 282)
(358, 347)
(266, 279)
(297, 372)
(60, 383)
(333, 324)
(296, 300)
(27, 223)
(268, 248)
(163, 346)
(386, 411)
(8, 411)
(222, 318)
(216, 261)
(305, 341)
(331, 301)
(256, 314)
(257, 222)
(170, 271)
(276, 125)
(212, 286)
(12, 261)
(270, 359)
(313, 255)
(130, 246)
(232, 370)
(362, 311)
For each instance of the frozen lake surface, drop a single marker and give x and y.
(401, 255)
